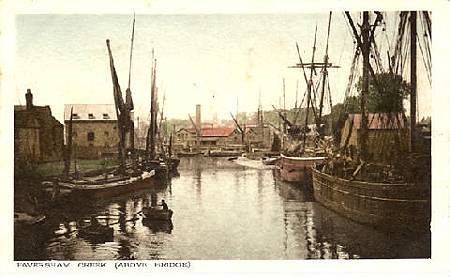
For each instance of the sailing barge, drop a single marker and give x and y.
(394, 205)
(131, 175)
(297, 168)
(378, 204)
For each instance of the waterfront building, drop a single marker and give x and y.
(38, 135)
(259, 136)
(210, 138)
(387, 134)
(94, 129)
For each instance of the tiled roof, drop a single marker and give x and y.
(43, 114)
(40, 109)
(90, 112)
(379, 121)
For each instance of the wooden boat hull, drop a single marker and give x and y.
(157, 214)
(385, 206)
(116, 187)
(224, 153)
(28, 220)
(298, 169)
(270, 161)
(188, 154)
(165, 226)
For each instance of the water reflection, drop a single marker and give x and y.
(221, 211)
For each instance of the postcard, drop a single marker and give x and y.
(159, 138)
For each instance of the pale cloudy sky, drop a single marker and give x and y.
(207, 59)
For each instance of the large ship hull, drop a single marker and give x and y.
(298, 169)
(382, 205)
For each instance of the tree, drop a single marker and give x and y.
(386, 94)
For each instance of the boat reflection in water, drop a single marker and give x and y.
(221, 211)
(155, 226)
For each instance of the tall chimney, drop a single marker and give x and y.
(198, 116)
(29, 99)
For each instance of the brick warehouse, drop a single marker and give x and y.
(94, 130)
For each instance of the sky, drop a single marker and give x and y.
(221, 61)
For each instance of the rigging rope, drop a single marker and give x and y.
(427, 69)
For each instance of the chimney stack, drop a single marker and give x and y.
(198, 118)
(29, 99)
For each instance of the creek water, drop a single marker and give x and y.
(222, 210)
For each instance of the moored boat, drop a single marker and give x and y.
(270, 160)
(223, 153)
(108, 185)
(383, 205)
(188, 154)
(298, 169)
(27, 219)
(391, 191)
(256, 164)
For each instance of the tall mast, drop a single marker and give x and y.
(120, 110)
(310, 87)
(284, 106)
(129, 99)
(325, 75)
(260, 117)
(413, 77)
(68, 152)
(152, 129)
(131, 52)
(365, 29)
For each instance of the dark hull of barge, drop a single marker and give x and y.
(385, 206)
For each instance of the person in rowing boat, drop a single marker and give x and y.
(164, 205)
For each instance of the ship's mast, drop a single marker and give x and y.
(129, 100)
(121, 111)
(325, 65)
(365, 49)
(68, 150)
(324, 76)
(413, 78)
(152, 128)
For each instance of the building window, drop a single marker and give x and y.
(91, 116)
(90, 136)
(106, 133)
(75, 115)
(105, 116)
